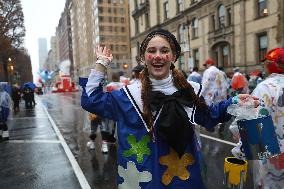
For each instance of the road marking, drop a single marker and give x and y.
(78, 171)
(37, 117)
(35, 141)
(219, 140)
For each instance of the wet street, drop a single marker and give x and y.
(58, 123)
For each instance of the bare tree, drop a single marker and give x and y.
(12, 30)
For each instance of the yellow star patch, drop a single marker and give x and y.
(176, 166)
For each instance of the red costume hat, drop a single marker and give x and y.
(275, 60)
(209, 61)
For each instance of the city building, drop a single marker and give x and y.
(112, 30)
(64, 37)
(104, 22)
(232, 32)
(82, 32)
(42, 52)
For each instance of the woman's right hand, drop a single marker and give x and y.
(103, 53)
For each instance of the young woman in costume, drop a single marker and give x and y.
(157, 146)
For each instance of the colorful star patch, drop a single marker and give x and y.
(132, 177)
(138, 148)
(176, 166)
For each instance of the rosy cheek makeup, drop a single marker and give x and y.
(149, 57)
(168, 57)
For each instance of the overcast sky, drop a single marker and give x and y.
(41, 19)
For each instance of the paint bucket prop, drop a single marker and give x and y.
(235, 171)
(258, 137)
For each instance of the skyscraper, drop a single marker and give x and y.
(42, 52)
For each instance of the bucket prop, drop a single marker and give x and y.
(258, 137)
(235, 171)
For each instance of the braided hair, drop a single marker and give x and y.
(179, 80)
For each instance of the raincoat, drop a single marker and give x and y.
(144, 162)
(215, 85)
(270, 173)
(5, 105)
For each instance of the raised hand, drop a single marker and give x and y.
(103, 53)
(246, 99)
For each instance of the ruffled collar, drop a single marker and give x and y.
(166, 85)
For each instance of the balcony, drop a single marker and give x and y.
(141, 9)
(221, 32)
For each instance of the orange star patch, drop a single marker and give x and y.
(176, 166)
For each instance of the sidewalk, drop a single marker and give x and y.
(37, 156)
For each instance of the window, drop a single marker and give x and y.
(229, 16)
(135, 4)
(194, 1)
(122, 20)
(213, 22)
(181, 62)
(147, 20)
(181, 34)
(262, 46)
(136, 26)
(195, 58)
(179, 6)
(225, 56)
(221, 15)
(166, 10)
(262, 8)
(194, 28)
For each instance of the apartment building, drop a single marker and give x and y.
(112, 30)
(82, 32)
(232, 32)
(104, 22)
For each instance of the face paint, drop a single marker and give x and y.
(158, 57)
(149, 56)
(168, 57)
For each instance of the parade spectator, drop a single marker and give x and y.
(28, 97)
(95, 121)
(271, 92)
(136, 73)
(215, 88)
(157, 146)
(5, 105)
(239, 83)
(16, 97)
(108, 126)
(214, 82)
(195, 76)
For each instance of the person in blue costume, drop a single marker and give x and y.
(157, 146)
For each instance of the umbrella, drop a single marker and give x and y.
(30, 85)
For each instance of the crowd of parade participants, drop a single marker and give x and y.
(10, 98)
(157, 114)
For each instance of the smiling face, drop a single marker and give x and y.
(158, 57)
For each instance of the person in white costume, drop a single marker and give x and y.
(270, 173)
(214, 83)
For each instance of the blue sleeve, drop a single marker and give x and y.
(216, 113)
(99, 102)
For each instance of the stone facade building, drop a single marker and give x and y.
(232, 32)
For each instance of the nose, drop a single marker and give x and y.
(157, 57)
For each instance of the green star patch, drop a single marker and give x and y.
(139, 148)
